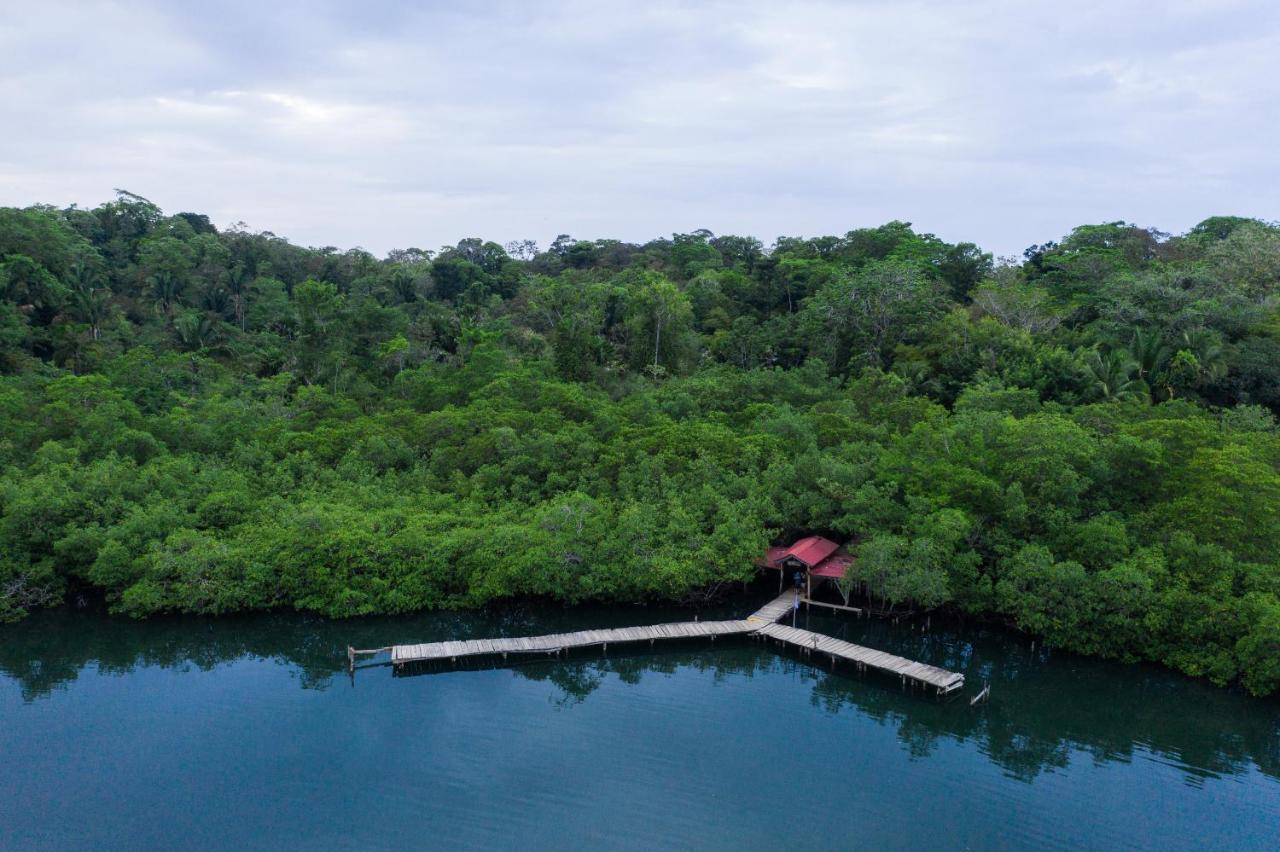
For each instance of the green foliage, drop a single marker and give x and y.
(1083, 445)
(658, 322)
(856, 317)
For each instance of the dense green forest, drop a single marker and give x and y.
(1081, 442)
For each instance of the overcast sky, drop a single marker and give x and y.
(388, 125)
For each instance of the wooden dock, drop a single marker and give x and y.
(762, 622)
(555, 642)
(773, 610)
(943, 681)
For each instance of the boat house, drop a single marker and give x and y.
(812, 556)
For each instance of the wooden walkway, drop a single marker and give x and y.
(554, 643)
(762, 622)
(773, 610)
(940, 679)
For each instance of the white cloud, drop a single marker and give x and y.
(389, 125)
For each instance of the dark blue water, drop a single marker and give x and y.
(248, 733)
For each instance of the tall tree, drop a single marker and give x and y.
(658, 312)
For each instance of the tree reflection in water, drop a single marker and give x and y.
(1044, 706)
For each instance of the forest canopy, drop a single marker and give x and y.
(1081, 442)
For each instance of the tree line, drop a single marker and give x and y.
(1080, 442)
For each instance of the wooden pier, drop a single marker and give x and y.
(808, 602)
(553, 643)
(943, 681)
(773, 610)
(762, 622)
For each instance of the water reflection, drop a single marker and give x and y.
(1045, 706)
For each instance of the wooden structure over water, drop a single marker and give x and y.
(943, 681)
(554, 643)
(762, 622)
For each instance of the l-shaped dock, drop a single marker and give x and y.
(763, 622)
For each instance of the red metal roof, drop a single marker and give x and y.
(773, 558)
(812, 550)
(832, 566)
(818, 554)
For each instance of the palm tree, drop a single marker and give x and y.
(166, 291)
(1114, 375)
(1207, 346)
(195, 330)
(1200, 360)
(1149, 352)
(89, 302)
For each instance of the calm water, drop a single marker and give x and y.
(247, 732)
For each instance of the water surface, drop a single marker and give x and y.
(247, 732)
